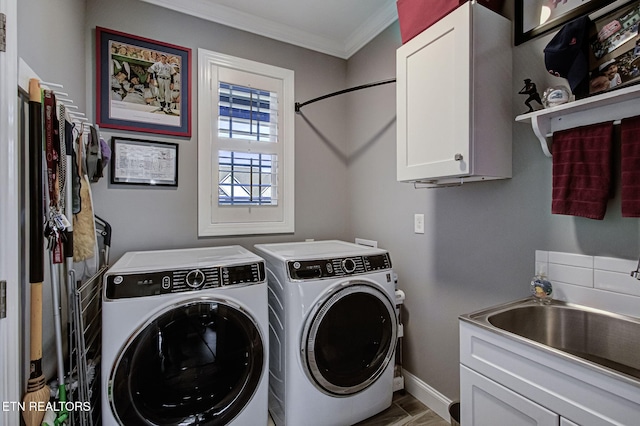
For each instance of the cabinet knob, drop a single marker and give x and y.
(458, 157)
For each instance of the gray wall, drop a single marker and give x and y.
(479, 241)
(146, 218)
(51, 41)
(58, 42)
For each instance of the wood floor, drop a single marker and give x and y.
(405, 410)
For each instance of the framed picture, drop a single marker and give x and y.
(142, 85)
(614, 49)
(141, 162)
(536, 17)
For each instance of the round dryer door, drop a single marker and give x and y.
(198, 363)
(350, 339)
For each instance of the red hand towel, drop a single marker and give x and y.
(582, 170)
(630, 168)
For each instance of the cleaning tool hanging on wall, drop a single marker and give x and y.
(84, 232)
(55, 231)
(37, 395)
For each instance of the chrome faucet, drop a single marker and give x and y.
(636, 274)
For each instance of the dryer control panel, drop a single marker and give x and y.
(337, 267)
(127, 285)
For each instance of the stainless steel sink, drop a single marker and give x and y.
(608, 340)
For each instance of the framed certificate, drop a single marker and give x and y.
(140, 162)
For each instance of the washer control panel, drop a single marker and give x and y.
(127, 285)
(337, 267)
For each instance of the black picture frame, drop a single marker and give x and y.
(142, 106)
(614, 49)
(144, 162)
(565, 12)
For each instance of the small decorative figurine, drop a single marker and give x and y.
(531, 90)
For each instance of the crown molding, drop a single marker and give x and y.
(244, 21)
(371, 28)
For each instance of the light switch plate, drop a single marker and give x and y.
(418, 223)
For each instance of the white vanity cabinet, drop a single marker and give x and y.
(454, 115)
(490, 404)
(506, 381)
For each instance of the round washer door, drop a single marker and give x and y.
(198, 363)
(350, 339)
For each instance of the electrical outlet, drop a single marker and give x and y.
(418, 223)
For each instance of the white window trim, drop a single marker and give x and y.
(208, 64)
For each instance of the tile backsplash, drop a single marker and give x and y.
(596, 281)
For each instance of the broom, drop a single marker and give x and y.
(37, 395)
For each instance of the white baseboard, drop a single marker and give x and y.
(424, 393)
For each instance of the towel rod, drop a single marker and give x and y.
(340, 92)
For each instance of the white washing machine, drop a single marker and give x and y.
(333, 329)
(184, 338)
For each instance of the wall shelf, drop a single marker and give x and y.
(608, 106)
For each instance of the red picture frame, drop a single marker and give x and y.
(142, 85)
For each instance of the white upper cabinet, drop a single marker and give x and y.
(454, 100)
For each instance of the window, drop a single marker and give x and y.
(250, 114)
(245, 147)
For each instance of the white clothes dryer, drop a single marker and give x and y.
(333, 330)
(184, 339)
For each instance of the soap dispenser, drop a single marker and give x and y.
(541, 288)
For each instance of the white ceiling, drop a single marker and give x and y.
(335, 27)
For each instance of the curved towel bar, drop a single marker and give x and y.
(340, 92)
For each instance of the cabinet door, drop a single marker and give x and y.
(484, 402)
(433, 100)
